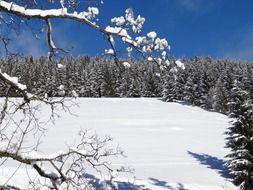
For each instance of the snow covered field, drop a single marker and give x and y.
(170, 145)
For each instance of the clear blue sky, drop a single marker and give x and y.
(216, 28)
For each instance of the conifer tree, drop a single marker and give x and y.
(169, 93)
(240, 138)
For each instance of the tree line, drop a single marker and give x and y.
(204, 82)
(85, 77)
(208, 83)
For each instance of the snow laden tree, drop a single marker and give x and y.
(174, 82)
(240, 137)
(20, 118)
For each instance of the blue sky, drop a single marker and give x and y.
(216, 28)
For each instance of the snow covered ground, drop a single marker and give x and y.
(170, 145)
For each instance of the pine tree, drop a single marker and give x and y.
(222, 93)
(204, 89)
(191, 91)
(169, 93)
(150, 85)
(180, 81)
(91, 88)
(108, 82)
(240, 138)
(134, 90)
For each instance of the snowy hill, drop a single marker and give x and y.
(170, 145)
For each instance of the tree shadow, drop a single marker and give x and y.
(159, 183)
(164, 185)
(102, 185)
(122, 185)
(212, 162)
(130, 186)
(180, 186)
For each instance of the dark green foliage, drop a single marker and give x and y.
(207, 82)
(221, 97)
(240, 137)
(169, 90)
(88, 77)
(204, 82)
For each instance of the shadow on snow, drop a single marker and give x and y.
(212, 162)
(164, 185)
(95, 182)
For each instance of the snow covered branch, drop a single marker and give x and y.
(50, 42)
(126, 27)
(15, 9)
(13, 83)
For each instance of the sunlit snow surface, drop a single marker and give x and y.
(170, 145)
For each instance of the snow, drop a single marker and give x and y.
(129, 15)
(90, 14)
(161, 44)
(138, 24)
(173, 70)
(126, 64)
(61, 87)
(13, 80)
(152, 35)
(61, 12)
(167, 62)
(180, 64)
(129, 41)
(4, 145)
(150, 59)
(74, 93)
(117, 30)
(62, 3)
(158, 74)
(36, 155)
(140, 40)
(29, 95)
(93, 10)
(119, 21)
(163, 54)
(158, 60)
(60, 66)
(135, 23)
(129, 51)
(111, 39)
(170, 145)
(61, 91)
(109, 51)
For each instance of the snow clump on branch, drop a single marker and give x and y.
(119, 21)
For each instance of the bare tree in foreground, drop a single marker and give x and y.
(19, 119)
